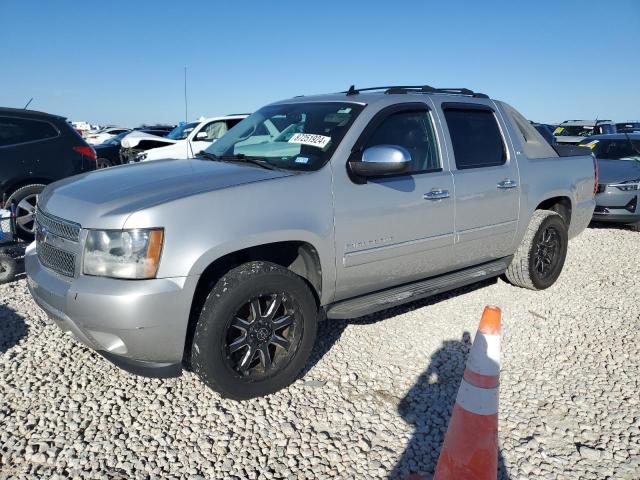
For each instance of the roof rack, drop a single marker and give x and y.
(396, 89)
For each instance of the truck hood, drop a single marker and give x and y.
(134, 138)
(105, 198)
(616, 171)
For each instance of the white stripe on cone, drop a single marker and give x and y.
(484, 357)
(481, 401)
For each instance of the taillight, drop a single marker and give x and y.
(595, 173)
(86, 151)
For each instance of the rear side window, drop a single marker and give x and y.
(412, 130)
(14, 131)
(476, 138)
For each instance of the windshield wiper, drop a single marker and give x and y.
(240, 157)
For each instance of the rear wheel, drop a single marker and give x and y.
(537, 263)
(103, 163)
(255, 331)
(26, 199)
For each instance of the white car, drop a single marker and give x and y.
(185, 141)
(105, 134)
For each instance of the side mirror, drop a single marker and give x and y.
(382, 160)
(201, 136)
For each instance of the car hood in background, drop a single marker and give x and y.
(616, 171)
(105, 198)
(134, 138)
(569, 139)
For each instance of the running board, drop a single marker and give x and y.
(381, 300)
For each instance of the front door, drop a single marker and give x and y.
(397, 229)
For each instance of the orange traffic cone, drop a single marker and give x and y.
(470, 449)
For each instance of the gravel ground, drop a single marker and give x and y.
(374, 402)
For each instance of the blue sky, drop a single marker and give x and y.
(122, 61)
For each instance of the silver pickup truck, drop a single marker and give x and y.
(329, 206)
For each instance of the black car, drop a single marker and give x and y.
(108, 153)
(36, 149)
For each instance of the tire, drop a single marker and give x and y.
(7, 269)
(232, 344)
(635, 226)
(103, 163)
(525, 269)
(26, 198)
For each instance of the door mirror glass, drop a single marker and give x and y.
(382, 160)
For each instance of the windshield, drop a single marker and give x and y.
(623, 149)
(628, 127)
(182, 131)
(573, 131)
(117, 139)
(296, 136)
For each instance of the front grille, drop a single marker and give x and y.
(56, 259)
(601, 188)
(57, 226)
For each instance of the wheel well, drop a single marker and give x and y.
(561, 205)
(299, 257)
(23, 183)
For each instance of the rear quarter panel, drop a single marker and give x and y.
(545, 178)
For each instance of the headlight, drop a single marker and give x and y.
(131, 254)
(628, 185)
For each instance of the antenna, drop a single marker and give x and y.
(186, 110)
(25, 107)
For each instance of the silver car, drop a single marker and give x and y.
(618, 178)
(330, 206)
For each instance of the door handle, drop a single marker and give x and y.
(436, 195)
(505, 184)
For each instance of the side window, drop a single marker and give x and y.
(476, 138)
(412, 130)
(14, 131)
(213, 131)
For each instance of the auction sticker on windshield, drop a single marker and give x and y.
(319, 141)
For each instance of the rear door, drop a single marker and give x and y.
(395, 229)
(485, 173)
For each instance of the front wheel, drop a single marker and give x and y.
(255, 331)
(537, 263)
(7, 269)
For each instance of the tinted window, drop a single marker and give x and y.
(475, 137)
(20, 130)
(412, 130)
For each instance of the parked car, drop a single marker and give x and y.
(105, 134)
(184, 141)
(628, 127)
(619, 178)
(36, 149)
(227, 261)
(574, 131)
(108, 153)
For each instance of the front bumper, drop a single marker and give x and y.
(140, 325)
(615, 205)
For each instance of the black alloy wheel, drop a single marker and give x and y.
(262, 336)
